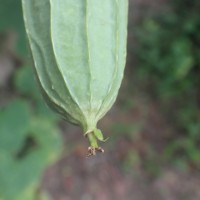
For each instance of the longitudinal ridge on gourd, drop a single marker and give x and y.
(79, 51)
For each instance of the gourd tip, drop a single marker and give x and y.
(92, 151)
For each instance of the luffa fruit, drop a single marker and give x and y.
(78, 49)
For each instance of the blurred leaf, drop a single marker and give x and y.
(131, 161)
(168, 65)
(14, 124)
(130, 130)
(183, 58)
(181, 163)
(25, 83)
(11, 19)
(26, 153)
(44, 111)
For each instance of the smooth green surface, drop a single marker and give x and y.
(79, 51)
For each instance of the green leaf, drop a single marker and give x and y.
(23, 160)
(14, 124)
(25, 83)
(12, 20)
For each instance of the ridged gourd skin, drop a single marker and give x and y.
(79, 51)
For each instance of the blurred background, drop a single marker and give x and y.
(154, 127)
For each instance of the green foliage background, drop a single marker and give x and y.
(12, 20)
(168, 66)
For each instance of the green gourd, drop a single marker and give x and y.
(79, 51)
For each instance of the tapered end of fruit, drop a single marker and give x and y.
(93, 137)
(92, 151)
